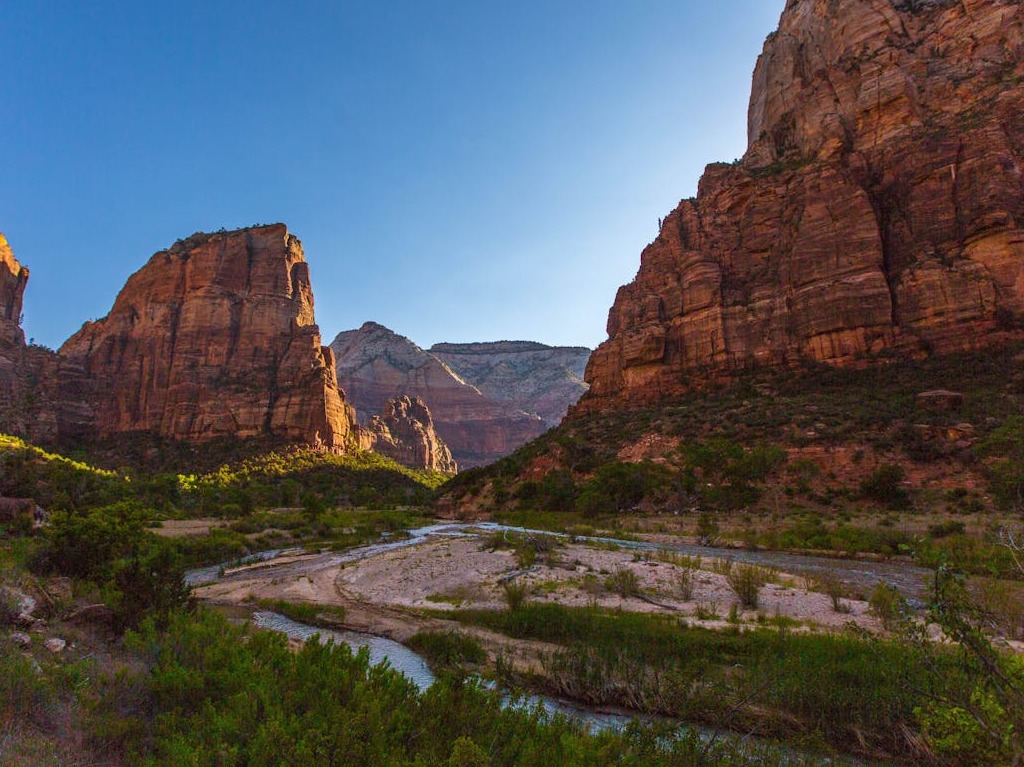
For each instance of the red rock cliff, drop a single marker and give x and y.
(13, 279)
(405, 432)
(214, 337)
(878, 209)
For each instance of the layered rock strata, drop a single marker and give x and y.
(528, 376)
(376, 365)
(404, 431)
(878, 210)
(214, 337)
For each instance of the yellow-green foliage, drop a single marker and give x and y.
(27, 471)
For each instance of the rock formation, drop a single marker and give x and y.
(404, 431)
(528, 376)
(878, 210)
(214, 337)
(13, 279)
(376, 364)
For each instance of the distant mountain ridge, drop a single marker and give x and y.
(486, 399)
(526, 375)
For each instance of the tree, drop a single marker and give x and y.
(984, 725)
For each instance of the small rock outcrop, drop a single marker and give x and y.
(214, 337)
(878, 210)
(375, 365)
(404, 431)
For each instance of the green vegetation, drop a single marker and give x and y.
(321, 616)
(623, 582)
(863, 691)
(448, 650)
(296, 478)
(825, 460)
(204, 692)
(746, 581)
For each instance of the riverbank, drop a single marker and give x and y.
(513, 592)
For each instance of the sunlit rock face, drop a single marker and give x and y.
(13, 279)
(404, 431)
(214, 337)
(878, 209)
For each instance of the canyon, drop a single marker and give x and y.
(486, 399)
(878, 211)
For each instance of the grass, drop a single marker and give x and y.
(862, 690)
(448, 650)
(320, 616)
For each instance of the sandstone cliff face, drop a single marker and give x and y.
(528, 376)
(375, 364)
(214, 337)
(13, 279)
(879, 207)
(404, 431)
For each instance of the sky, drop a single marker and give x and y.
(458, 170)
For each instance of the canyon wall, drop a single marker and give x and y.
(878, 210)
(214, 337)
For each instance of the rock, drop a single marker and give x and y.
(13, 279)
(20, 605)
(376, 365)
(214, 337)
(878, 209)
(940, 400)
(55, 645)
(24, 509)
(530, 377)
(22, 639)
(97, 613)
(404, 431)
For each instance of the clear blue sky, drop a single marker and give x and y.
(458, 170)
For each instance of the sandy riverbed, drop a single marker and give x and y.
(448, 573)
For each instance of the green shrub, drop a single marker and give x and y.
(448, 649)
(885, 486)
(746, 581)
(516, 591)
(623, 582)
(888, 605)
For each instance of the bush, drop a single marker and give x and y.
(884, 486)
(888, 605)
(516, 591)
(946, 529)
(623, 582)
(687, 582)
(448, 649)
(10, 608)
(707, 530)
(746, 581)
